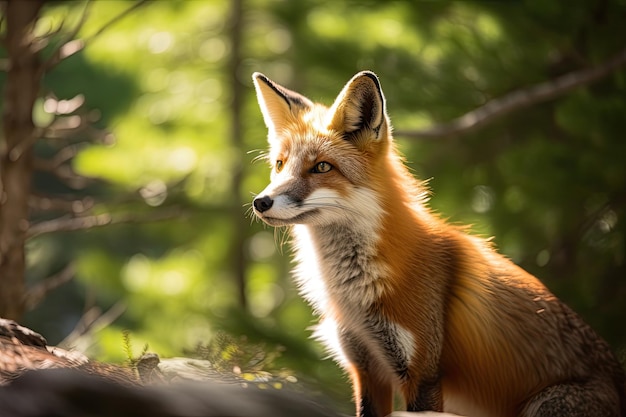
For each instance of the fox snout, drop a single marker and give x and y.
(276, 209)
(263, 203)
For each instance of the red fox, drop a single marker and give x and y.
(406, 300)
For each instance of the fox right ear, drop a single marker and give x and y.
(359, 110)
(279, 105)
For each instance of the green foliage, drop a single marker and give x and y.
(548, 182)
(251, 362)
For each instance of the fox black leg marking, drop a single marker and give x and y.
(388, 334)
(428, 396)
(366, 408)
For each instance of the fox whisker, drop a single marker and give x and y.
(281, 236)
(262, 155)
(329, 205)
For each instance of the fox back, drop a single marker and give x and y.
(407, 301)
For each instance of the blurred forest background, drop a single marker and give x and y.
(143, 126)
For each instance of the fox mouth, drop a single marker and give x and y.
(298, 219)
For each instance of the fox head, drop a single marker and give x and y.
(326, 162)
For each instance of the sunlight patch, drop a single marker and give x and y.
(183, 159)
(136, 273)
(160, 42)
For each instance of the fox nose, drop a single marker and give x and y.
(262, 204)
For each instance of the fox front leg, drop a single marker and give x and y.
(373, 397)
(373, 394)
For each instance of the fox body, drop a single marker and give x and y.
(405, 300)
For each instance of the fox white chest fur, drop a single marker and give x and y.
(341, 275)
(405, 300)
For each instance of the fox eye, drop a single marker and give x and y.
(279, 165)
(322, 167)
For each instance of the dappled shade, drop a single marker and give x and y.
(148, 148)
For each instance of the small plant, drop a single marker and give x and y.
(131, 361)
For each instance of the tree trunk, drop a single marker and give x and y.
(239, 237)
(16, 152)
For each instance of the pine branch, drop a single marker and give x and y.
(71, 45)
(38, 292)
(39, 43)
(62, 171)
(91, 322)
(70, 224)
(64, 126)
(40, 203)
(114, 20)
(518, 100)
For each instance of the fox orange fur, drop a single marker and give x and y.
(407, 301)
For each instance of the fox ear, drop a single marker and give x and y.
(359, 110)
(278, 104)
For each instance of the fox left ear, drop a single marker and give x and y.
(359, 110)
(279, 105)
